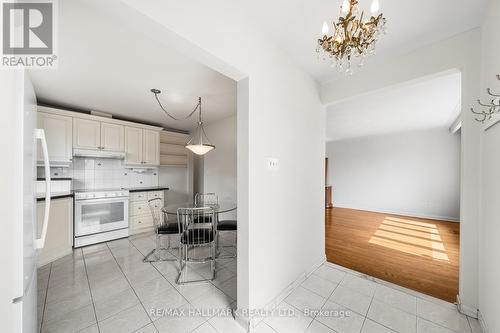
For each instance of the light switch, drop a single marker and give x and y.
(273, 164)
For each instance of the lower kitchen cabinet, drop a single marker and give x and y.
(140, 218)
(59, 241)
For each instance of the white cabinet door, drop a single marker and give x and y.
(86, 134)
(59, 241)
(151, 150)
(59, 136)
(133, 146)
(112, 137)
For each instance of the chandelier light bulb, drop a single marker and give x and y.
(375, 7)
(325, 28)
(346, 6)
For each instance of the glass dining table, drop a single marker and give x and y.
(221, 207)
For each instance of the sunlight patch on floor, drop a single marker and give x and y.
(413, 237)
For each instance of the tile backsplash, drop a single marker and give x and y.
(97, 173)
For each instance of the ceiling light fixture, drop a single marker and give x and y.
(198, 142)
(352, 37)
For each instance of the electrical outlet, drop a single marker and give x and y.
(273, 164)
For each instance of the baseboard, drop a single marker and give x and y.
(402, 213)
(250, 323)
(482, 322)
(467, 310)
(47, 258)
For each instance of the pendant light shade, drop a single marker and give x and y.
(199, 143)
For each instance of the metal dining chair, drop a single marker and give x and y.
(162, 228)
(196, 236)
(205, 199)
(224, 226)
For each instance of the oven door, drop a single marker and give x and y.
(100, 215)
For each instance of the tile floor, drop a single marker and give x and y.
(106, 288)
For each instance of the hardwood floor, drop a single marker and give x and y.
(419, 254)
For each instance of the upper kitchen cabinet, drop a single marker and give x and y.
(151, 150)
(133, 146)
(112, 137)
(58, 133)
(97, 135)
(142, 147)
(86, 134)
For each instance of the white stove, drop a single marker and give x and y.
(100, 216)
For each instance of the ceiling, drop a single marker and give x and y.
(432, 103)
(112, 70)
(296, 25)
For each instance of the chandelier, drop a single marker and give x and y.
(198, 143)
(353, 38)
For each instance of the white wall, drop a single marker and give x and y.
(283, 102)
(412, 173)
(460, 52)
(489, 235)
(176, 179)
(219, 165)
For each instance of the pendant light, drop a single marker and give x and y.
(199, 143)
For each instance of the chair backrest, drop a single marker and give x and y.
(159, 218)
(202, 199)
(186, 218)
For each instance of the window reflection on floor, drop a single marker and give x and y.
(413, 237)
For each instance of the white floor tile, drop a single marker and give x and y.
(229, 287)
(317, 327)
(303, 299)
(360, 285)
(352, 300)
(262, 327)
(126, 321)
(109, 306)
(445, 316)
(329, 273)
(56, 310)
(340, 319)
(90, 329)
(396, 298)
(226, 324)
(425, 326)
(391, 317)
(373, 327)
(147, 329)
(150, 289)
(319, 285)
(170, 299)
(71, 322)
(475, 325)
(179, 323)
(205, 328)
(295, 322)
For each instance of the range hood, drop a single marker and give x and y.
(98, 153)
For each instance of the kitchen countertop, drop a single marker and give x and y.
(146, 189)
(69, 194)
(55, 195)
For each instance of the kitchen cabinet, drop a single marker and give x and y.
(142, 147)
(96, 135)
(151, 147)
(133, 146)
(59, 241)
(59, 135)
(112, 137)
(86, 134)
(140, 218)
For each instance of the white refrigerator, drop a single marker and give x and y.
(19, 238)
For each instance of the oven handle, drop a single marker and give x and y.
(102, 200)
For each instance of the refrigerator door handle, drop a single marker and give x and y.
(40, 135)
